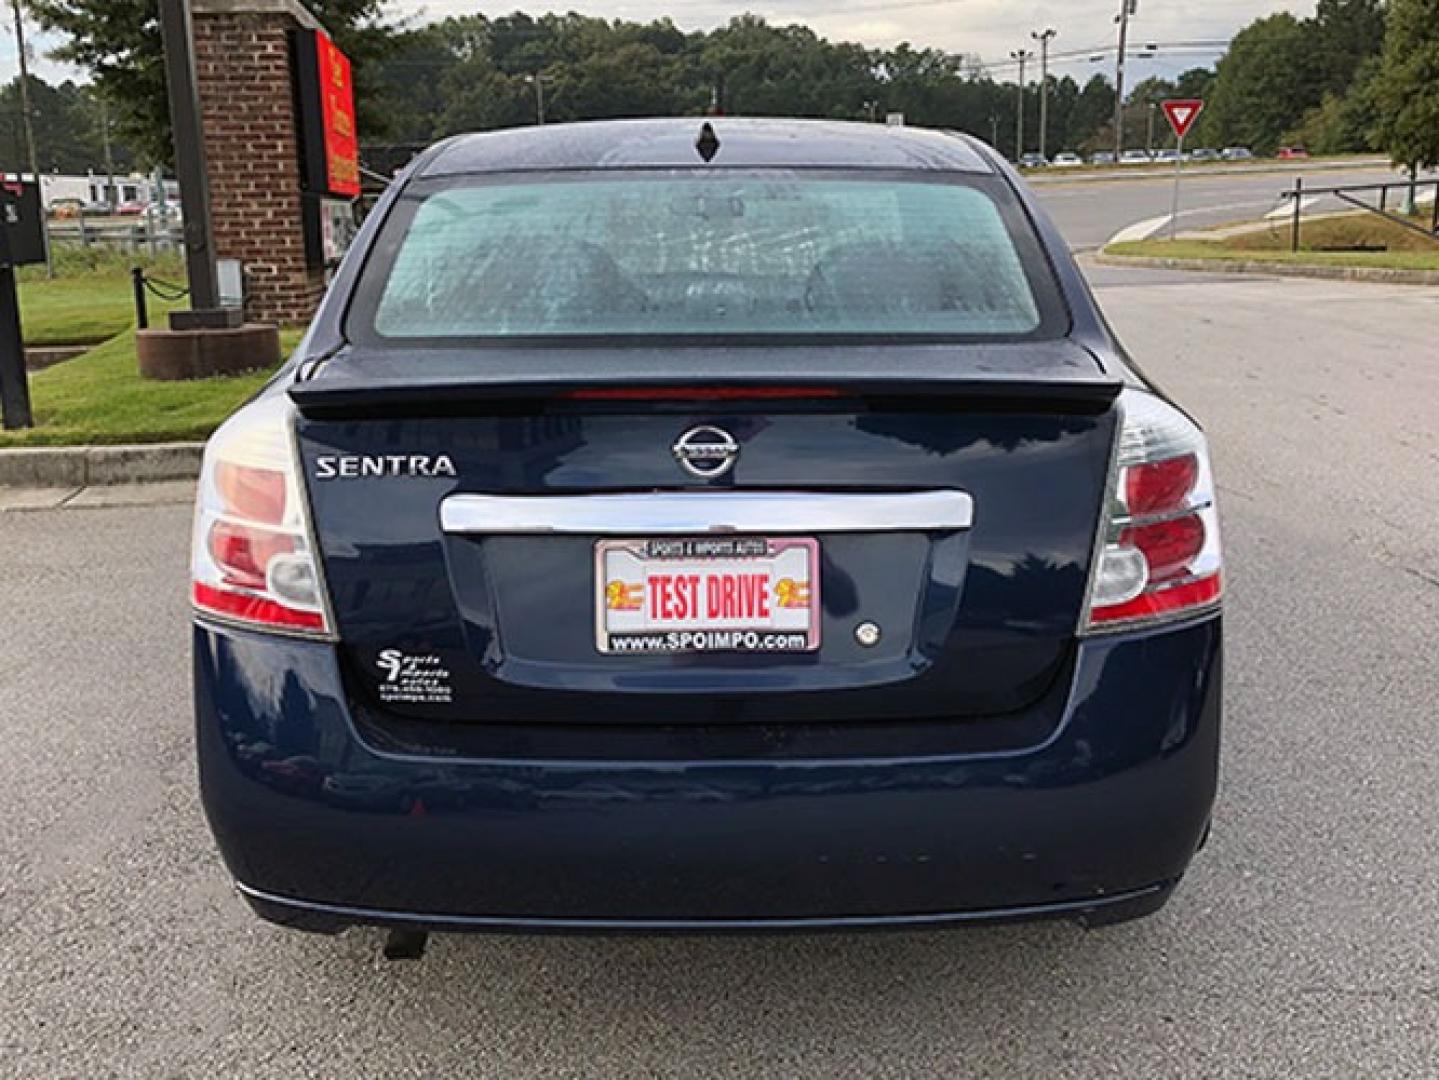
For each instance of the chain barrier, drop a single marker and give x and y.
(166, 291)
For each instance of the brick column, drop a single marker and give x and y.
(247, 102)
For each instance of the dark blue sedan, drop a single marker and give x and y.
(730, 525)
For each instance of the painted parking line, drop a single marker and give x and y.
(1140, 230)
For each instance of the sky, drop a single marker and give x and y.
(990, 29)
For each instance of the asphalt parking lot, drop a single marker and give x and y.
(1303, 943)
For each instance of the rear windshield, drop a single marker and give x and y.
(705, 254)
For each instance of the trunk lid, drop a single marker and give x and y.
(951, 494)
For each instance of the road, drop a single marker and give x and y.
(1303, 943)
(1090, 212)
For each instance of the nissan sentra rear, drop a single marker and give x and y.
(671, 525)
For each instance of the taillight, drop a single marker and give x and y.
(253, 560)
(1158, 556)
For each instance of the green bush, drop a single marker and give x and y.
(103, 260)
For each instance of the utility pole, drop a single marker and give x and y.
(994, 130)
(1149, 136)
(1022, 55)
(110, 193)
(539, 81)
(1043, 37)
(1126, 9)
(30, 132)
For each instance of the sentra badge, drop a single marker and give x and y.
(354, 466)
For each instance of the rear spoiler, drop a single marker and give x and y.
(1056, 375)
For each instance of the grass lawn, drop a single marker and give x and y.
(101, 398)
(1331, 241)
(89, 300)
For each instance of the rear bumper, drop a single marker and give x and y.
(321, 828)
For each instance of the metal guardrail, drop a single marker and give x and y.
(154, 233)
(1347, 193)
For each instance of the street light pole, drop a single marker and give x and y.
(539, 81)
(30, 133)
(1126, 9)
(1022, 55)
(1043, 37)
(1149, 136)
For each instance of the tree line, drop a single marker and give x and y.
(474, 73)
(1357, 75)
(70, 129)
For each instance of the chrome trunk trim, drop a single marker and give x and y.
(694, 513)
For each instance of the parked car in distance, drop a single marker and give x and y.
(1102, 157)
(1033, 161)
(1067, 160)
(169, 212)
(1292, 153)
(1237, 153)
(1204, 154)
(63, 209)
(1170, 155)
(131, 208)
(731, 574)
(1136, 157)
(98, 208)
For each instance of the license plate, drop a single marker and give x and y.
(707, 594)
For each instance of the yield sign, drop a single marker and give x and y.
(1182, 113)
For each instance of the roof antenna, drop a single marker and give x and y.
(708, 143)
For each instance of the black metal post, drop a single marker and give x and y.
(190, 166)
(1298, 209)
(142, 309)
(1434, 223)
(31, 157)
(14, 385)
(1383, 197)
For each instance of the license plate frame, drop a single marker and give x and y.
(625, 621)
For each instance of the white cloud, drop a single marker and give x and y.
(37, 46)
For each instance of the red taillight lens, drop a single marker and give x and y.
(255, 609)
(1169, 547)
(254, 494)
(243, 552)
(253, 559)
(1161, 603)
(1159, 553)
(1158, 487)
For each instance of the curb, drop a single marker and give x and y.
(1372, 274)
(39, 357)
(1166, 171)
(89, 466)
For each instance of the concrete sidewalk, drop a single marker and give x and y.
(74, 467)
